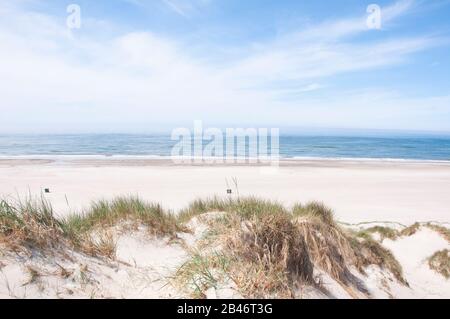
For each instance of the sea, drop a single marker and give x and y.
(416, 147)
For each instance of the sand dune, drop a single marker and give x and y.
(363, 194)
(148, 267)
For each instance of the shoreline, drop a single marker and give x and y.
(151, 160)
(358, 191)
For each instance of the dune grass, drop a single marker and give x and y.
(383, 231)
(32, 224)
(272, 258)
(90, 230)
(273, 250)
(267, 249)
(29, 223)
(201, 273)
(314, 210)
(411, 230)
(440, 262)
(104, 213)
(245, 207)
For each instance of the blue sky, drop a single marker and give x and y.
(140, 66)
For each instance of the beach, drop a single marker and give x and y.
(386, 235)
(357, 190)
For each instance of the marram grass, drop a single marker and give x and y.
(267, 249)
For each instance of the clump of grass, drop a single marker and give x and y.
(202, 206)
(385, 232)
(441, 230)
(411, 230)
(29, 223)
(273, 250)
(369, 252)
(272, 256)
(333, 249)
(327, 243)
(201, 272)
(314, 210)
(328, 247)
(32, 224)
(265, 254)
(101, 244)
(361, 234)
(89, 231)
(253, 207)
(440, 262)
(245, 207)
(104, 214)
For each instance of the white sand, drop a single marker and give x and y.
(142, 269)
(145, 267)
(358, 191)
(412, 253)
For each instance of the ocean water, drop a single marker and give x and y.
(385, 147)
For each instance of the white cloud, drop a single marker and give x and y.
(53, 80)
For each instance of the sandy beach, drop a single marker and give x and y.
(358, 191)
(133, 263)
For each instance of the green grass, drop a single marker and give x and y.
(384, 232)
(111, 213)
(29, 223)
(245, 207)
(32, 224)
(314, 210)
(201, 273)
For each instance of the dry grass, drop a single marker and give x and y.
(411, 230)
(272, 257)
(334, 249)
(370, 252)
(328, 247)
(101, 244)
(266, 249)
(272, 250)
(29, 223)
(441, 230)
(265, 252)
(440, 262)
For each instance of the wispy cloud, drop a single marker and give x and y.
(326, 49)
(141, 77)
(175, 7)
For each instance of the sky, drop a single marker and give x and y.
(138, 66)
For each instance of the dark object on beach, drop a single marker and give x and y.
(47, 190)
(229, 191)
